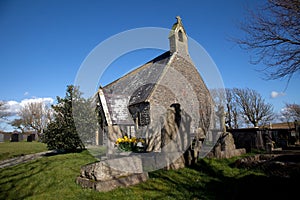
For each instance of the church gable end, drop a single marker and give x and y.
(147, 92)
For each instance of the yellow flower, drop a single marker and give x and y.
(133, 140)
(141, 140)
(126, 139)
(119, 140)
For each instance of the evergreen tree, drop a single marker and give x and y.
(74, 124)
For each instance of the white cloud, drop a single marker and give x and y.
(13, 107)
(26, 93)
(275, 94)
(47, 100)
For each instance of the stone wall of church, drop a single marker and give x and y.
(183, 84)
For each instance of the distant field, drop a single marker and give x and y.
(13, 149)
(53, 177)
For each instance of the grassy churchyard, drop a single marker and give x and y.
(13, 149)
(53, 177)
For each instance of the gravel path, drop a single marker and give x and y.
(22, 159)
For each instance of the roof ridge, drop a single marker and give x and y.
(156, 59)
(161, 75)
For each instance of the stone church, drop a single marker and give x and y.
(165, 102)
(165, 99)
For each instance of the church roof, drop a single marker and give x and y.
(133, 88)
(138, 84)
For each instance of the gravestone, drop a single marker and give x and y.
(15, 137)
(106, 175)
(30, 138)
(225, 146)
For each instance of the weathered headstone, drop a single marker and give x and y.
(106, 175)
(225, 146)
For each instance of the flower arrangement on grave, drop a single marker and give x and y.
(130, 144)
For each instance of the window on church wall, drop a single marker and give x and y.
(180, 36)
(141, 113)
(144, 115)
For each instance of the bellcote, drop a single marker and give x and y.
(178, 39)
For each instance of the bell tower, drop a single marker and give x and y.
(178, 39)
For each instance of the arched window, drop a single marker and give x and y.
(180, 36)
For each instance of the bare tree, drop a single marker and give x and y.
(232, 110)
(3, 112)
(291, 112)
(218, 101)
(35, 115)
(253, 107)
(273, 35)
(19, 124)
(225, 98)
(218, 95)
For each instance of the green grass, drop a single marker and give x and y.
(13, 149)
(54, 177)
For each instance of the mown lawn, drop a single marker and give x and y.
(53, 177)
(13, 149)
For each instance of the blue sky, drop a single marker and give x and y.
(44, 42)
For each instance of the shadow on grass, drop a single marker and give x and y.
(177, 184)
(13, 178)
(215, 179)
(43, 178)
(57, 152)
(247, 184)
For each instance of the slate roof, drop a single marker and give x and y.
(138, 84)
(133, 88)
